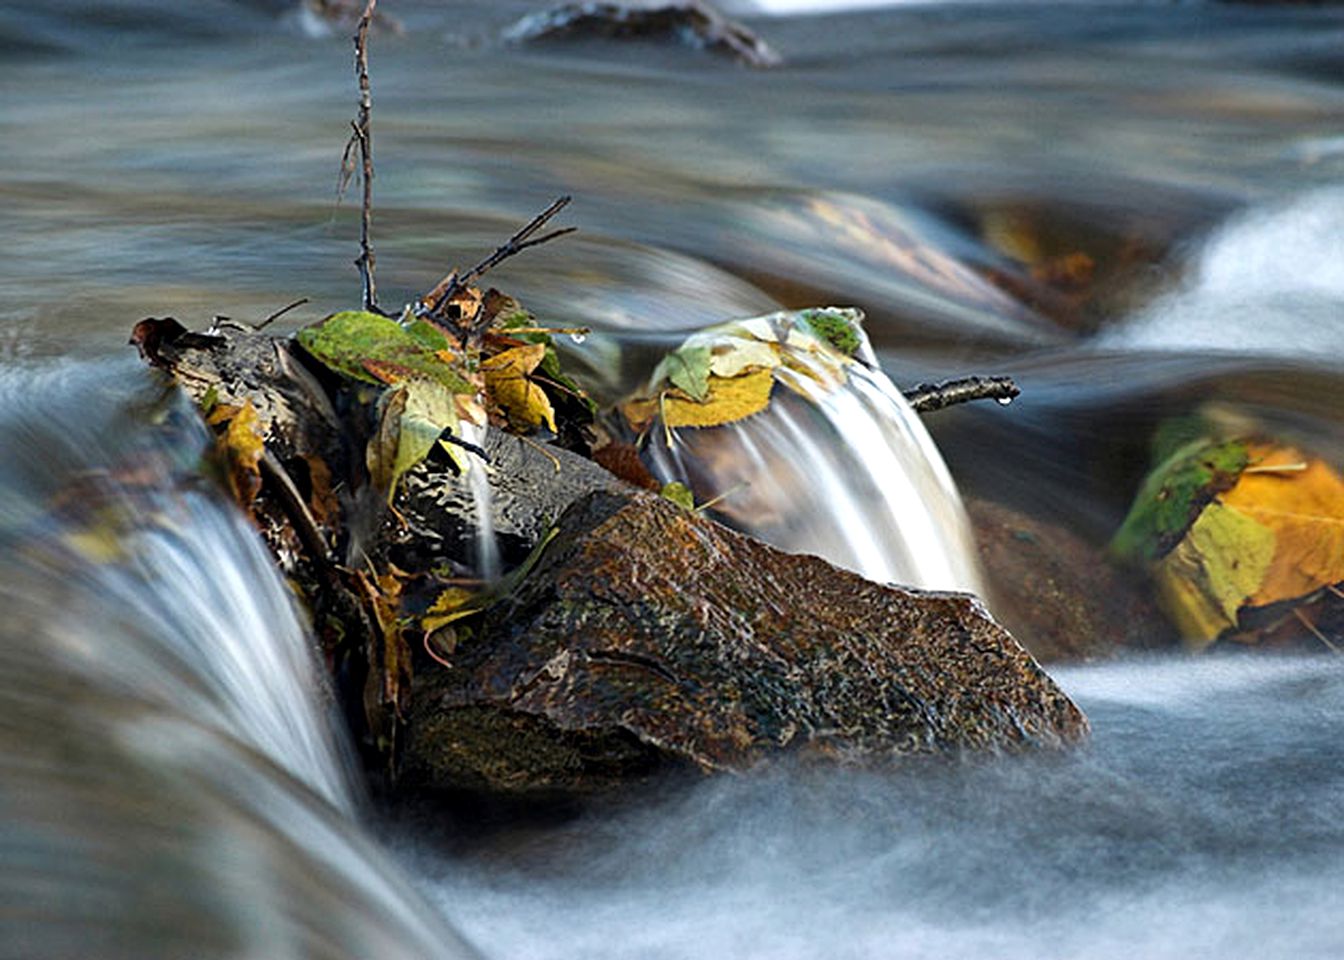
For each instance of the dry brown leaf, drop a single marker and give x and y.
(508, 385)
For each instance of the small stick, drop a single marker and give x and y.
(293, 504)
(455, 283)
(927, 397)
(361, 137)
(1277, 468)
(1302, 618)
(280, 313)
(555, 331)
(709, 504)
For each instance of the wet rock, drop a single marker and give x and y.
(530, 486)
(1057, 592)
(694, 23)
(647, 636)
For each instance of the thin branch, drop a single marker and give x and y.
(361, 138)
(280, 313)
(927, 397)
(453, 284)
(294, 506)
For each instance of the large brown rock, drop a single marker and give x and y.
(647, 635)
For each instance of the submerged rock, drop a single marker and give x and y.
(693, 23)
(1058, 594)
(647, 636)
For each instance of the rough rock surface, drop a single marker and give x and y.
(530, 486)
(647, 635)
(1058, 594)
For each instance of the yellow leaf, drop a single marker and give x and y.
(729, 399)
(453, 603)
(506, 381)
(1304, 509)
(243, 446)
(1211, 573)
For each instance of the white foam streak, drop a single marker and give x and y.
(846, 472)
(1268, 282)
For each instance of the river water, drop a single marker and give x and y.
(171, 783)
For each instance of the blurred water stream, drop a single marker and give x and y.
(170, 782)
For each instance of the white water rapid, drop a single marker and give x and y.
(170, 781)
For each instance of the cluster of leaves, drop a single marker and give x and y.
(433, 386)
(430, 386)
(1238, 534)
(727, 373)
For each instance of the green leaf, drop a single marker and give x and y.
(413, 417)
(678, 493)
(687, 369)
(374, 349)
(427, 335)
(1173, 495)
(838, 326)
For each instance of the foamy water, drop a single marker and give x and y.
(1269, 281)
(1201, 822)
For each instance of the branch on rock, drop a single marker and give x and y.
(927, 397)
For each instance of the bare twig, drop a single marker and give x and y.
(361, 139)
(927, 397)
(450, 286)
(280, 313)
(292, 502)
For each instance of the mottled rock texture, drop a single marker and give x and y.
(647, 635)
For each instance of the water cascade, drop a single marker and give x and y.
(841, 469)
(170, 782)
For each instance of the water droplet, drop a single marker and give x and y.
(1004, 401)
(578, 337)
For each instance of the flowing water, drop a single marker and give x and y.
(170, 781)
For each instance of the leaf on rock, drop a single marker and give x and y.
(507, 383)
(392, 673)
(678, 493)
(243, 444)
(376, 349)
(729, 400)
(412, 419)
(453, 603)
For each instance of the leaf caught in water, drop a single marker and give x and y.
(687, 369)
(729, 400)
(507, 383)
(723, 374)
(1252, 525)
(1173, 495)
